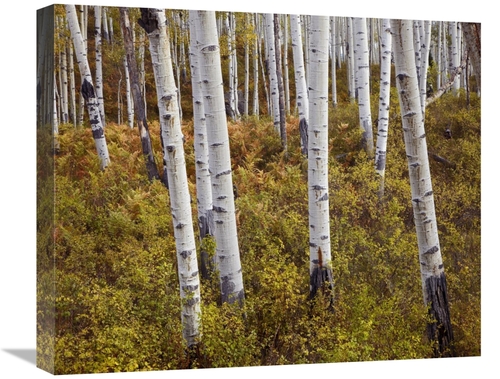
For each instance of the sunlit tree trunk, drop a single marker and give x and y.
(351, 80)
(87, 89)
(286, 80)
(362, 69)
(203, 182)
(384, 101)
(64, 82)
(72, 85)
(279, 79)
(300, 80)
(333, 61)
(83, 26)
(424, 63)
(128, 95)
(139, 109)
(455, 56)
(98, 62)
(431, 264)
(256, 52)
(321, 277)
(225, 231)
(273, 78)
(154, 23)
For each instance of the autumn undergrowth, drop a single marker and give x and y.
(117, 296)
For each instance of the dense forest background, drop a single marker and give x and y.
(271, 175)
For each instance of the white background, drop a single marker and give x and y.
(18, 188)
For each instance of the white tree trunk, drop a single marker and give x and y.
(431, 263)
(319, 220)
(424, 64)
(128, 95)
(300, 80)
(286, 80)
(225, 231)
(333, 62)
(351, 79)
(455, 56)
(256, 52)
(99, 84)
(87, 89)
(362, 70)
(273, 78)
(154, 22)
(384, 100)
(203, 182)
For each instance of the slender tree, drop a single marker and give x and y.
(87, 89)
(300, 80)
(225, 231)
(154, 23)
(139, 109)
(321, 277)
(203, 182)
(98, 62)
(271, 65)
(384, 100)
(362, 70)
(431, 264)
(279, 79)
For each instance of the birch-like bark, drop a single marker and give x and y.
(203, 182)
(351, 78)
(225, 231)
(98, 62)
(87, 89)
(384, 101)
(455, 56)
(128, 95)
(362, 69)
(321, 277)
(64, 82)
(72, 85)
(424, 63)
(273, 78)
(431, 264)
(300, 80)
(256, 52)
(333, 61)
(154, 23)
(286, 80)
(83, 26)
(279, 80)
(139, 109)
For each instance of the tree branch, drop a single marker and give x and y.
(458, 70)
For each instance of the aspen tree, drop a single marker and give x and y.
(154, 23)
(87, 89)
(300, 80)
(139, 108)
(225, 232)
(279, 79)
(320, 270)
(98, 62)
(203, 182)
(434, 288)
(273, 77)
(384, 100)
(362, 71)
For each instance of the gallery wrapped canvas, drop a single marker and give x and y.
(224, 189)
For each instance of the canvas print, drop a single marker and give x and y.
(229, 189)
